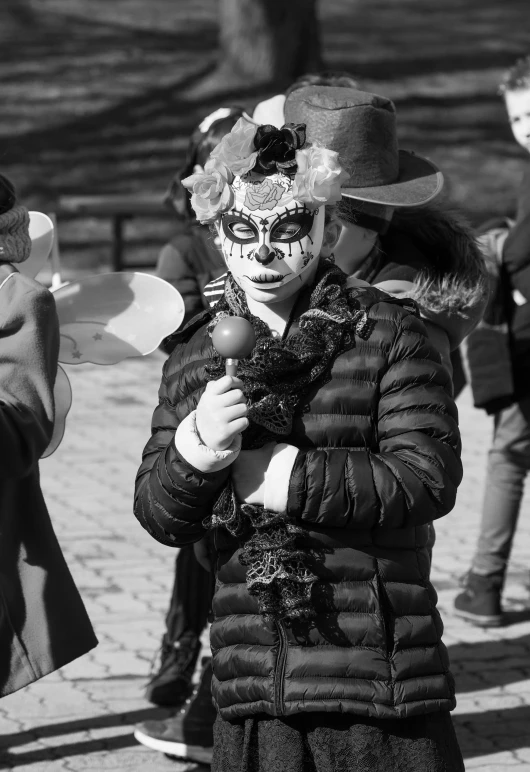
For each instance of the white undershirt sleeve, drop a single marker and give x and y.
(190, 446)
(278, 476)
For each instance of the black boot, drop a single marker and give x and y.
(189, 734)
(480, 602)
(171, 685)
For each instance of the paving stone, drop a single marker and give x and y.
(495, 762)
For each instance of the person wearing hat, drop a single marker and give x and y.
(43, 622)
(395, 234)
(312, 476)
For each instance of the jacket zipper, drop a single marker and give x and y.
(279, 674)
(385, 607)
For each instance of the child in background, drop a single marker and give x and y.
(192, 258)
(43, 624)
(509, 455)
(189, 262)
(424, 254)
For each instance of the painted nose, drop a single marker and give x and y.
(264, 255)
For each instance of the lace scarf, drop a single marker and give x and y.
(277, 379)
(281, 371)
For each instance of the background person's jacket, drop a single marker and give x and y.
(499, 350)
(189, 262)
(516, 263)
(430, 256)
(487, 349)
(43, 622)
(378, 460)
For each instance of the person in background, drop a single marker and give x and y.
(43, 622)
(505, 393)
(189, 262)
(425, 254)
(192, 258)
(313, 475)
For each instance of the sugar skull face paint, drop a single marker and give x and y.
(267, 238)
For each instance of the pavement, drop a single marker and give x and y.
(81, 717)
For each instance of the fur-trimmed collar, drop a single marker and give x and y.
(453, 279)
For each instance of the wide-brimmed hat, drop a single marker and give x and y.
(361, 128)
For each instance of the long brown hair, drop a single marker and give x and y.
(200, 146)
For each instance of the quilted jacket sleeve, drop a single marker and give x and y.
(172, 498)
(413, 477)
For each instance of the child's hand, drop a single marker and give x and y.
(221, 413)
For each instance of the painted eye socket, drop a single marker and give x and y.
(285, 231)
(293, 226)
(239, 230)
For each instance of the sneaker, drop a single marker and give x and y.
(189, 734)
(172, 684)
(480, 602)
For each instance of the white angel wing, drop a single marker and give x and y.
(62, 394)
(41, 234)
(107, 318)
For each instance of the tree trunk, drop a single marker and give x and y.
(269, 41)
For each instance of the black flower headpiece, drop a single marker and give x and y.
(276, 148)
(313, 174)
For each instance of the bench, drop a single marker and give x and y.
(118, 208)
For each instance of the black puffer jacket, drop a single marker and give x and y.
(378, 460)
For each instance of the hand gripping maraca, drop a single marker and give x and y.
(233, 338)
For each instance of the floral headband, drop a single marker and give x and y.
(255, 152)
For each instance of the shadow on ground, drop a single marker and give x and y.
(101, 97)
(476, 666)
(83, 747)
(489, 665)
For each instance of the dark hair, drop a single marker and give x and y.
(337, 78)
(517, 77)
(201, 144)
(8, 195)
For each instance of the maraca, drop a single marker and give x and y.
(233, 338)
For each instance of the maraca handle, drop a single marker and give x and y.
(231, 366)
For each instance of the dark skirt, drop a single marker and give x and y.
(336, 742)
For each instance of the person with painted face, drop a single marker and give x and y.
(313, 474)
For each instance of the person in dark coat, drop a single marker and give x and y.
(501, 384)
(426, 255)
(312, 477)
(189, 262)
(43, 622)
(193, 258)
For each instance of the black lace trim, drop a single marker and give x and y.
(277, 378)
